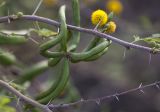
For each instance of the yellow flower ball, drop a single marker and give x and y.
(99, 17)
(111, 27)
(49, 3)
(115, 6)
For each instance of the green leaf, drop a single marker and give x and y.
(110, 15)
(3, 105)
(46, 32)
(7, 109)
(4, 100)
(155, 38)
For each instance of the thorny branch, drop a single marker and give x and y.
(80, 29)
(98, 100)
(49, 107)
(22, 97)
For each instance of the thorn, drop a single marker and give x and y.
(34, 41)
(18, 100)
(81, 99)
(38, 6)
(98, 24)
(49, 102)
(98, 101)
(11, 81)
(150, 58)
(140, 86)
(9, 21)
(142, 91)
(157, 86)
(116, 96)
(124, 54)
(58, 30)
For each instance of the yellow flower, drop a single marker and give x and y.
(111, 27)
(115, 6)
(49, 3)
(99, 17)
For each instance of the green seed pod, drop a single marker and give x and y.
(93, 43)
(64, 76)
(76, 57)
(61, 37)
(63, 29)
(49, 44)
(7, 58)
(76, 19)
(54, 85)
(53, 61)
(97, 56)
(50, 54)
(32, 72)
(12, 39)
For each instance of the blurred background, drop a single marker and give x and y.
(110, 74)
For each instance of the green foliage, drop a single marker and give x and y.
(4, 105)
(45, 32)
(153, 40)
(110, 15)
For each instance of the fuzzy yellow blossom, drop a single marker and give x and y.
(115, 6)
(49, 3)
(111, 27)
(99, 17)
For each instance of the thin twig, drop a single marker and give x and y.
(22, 97)
(80, 29)
(98, 100)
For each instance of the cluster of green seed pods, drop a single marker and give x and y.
(67, 45)
(54, 58)
(64, 44)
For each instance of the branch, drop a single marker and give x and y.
(98, 100)
(80, 29)
(22, 97)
